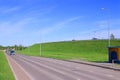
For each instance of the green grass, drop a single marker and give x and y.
(90, 50)
(5, 71)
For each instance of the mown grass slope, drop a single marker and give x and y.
(5, 71)
(90, 50)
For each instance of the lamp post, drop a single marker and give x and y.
(108, 23)
(28, 49)
(108, 26)
(41, 45)
(40, 49)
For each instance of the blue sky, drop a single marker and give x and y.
(27, 22)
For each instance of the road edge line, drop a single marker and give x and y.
(11, 67)
(28, 75)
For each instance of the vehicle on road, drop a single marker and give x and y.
(12, 52)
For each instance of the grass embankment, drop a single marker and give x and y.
(90, 50)
(5, 71)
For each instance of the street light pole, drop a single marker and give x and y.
(108, 25)
(28, 49)
(41, 45)
(40, 49)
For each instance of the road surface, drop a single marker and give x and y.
(39, 68)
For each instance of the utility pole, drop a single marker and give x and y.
(108, 26)
(40, 49)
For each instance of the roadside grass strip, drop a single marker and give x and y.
(5, 71)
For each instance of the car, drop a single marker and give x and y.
(12, 52)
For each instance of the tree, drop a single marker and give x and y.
(16, 47)
(20, 47)
(112, 37)
(1, 47)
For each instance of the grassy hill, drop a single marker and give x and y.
(90, 50)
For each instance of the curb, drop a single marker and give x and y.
(112, 67)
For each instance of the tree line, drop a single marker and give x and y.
(112, 37)
(16, 47)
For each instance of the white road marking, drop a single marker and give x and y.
(59, 71)
(109, 75)
(68, 65)
(91, 71)
(60, 63)
(20, 68)
(89, 76)
(77, 67)
(43, 71)
(11, 67)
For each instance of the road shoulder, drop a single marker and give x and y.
(103, 65)
(18, 71)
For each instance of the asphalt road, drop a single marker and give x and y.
(51, 69)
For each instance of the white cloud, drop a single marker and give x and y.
(100, 30)
(9, 10)
(20, 22)
(106, 23)
(10, 27)
(58, 26)
(103, 34)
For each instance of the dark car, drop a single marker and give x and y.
(12, 52)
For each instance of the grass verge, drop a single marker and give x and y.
(5, 71)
